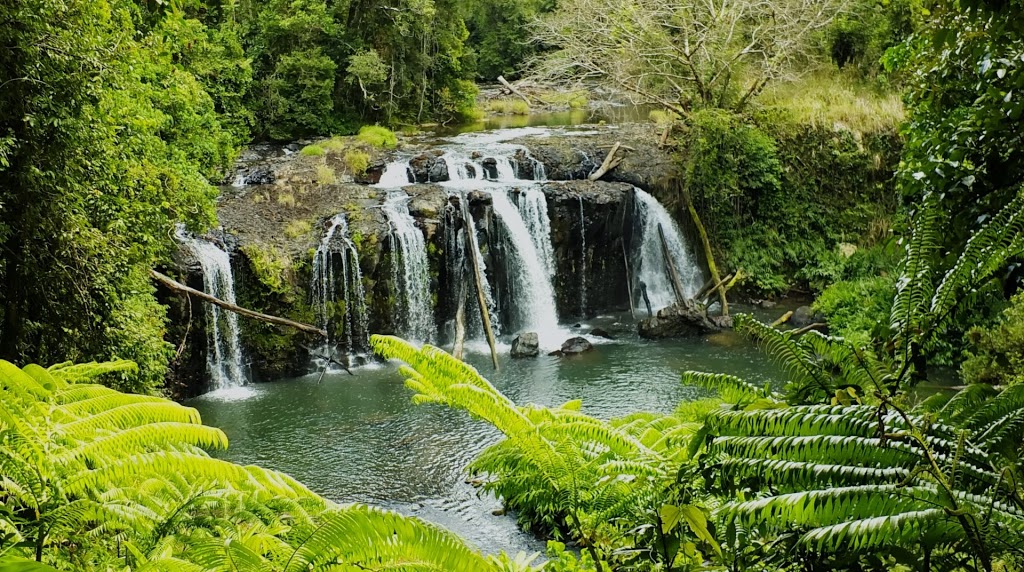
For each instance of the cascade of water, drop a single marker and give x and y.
(531, 280)
(336, 249)
(652, 268)
(533, 207)
(239, 182)
(397, 174)
(224, 353)
(476, 327)
(583, 260)
(412, 276)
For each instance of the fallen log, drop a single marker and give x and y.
(809, 327)
(677, 285)
(512, 89)
(478, 279)
(610, 162)
(181, 289)
(460, 320)
(782, 319)
(706, 299)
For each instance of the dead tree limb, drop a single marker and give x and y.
(512, 89)
(664, 137)
(782, 319)
(486, 317)
(460, 319)
(677, 285)
(710, 292)
(625, 262)
(610, 162)
(809, 327)
(181, 289)
(708, 253)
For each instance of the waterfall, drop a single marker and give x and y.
(477, 329)
(651, 268)
(411, 269)
(531, 280)
(337, 250)
(533, 207)
(583, 261)
(397, 174)
(224, 353)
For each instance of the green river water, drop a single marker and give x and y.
(360, 439)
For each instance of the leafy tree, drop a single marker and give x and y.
(106, 145)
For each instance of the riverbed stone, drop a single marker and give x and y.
(685, 320)
(802, 317)
(576, 346)
(526, 345)
(602, 333)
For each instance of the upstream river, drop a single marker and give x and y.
(360, 439)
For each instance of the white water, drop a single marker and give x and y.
(334, 247)
(533, 207)
(531, 280)
(651, 267)
(412, 275)
(224, 353)
(476, 330)
(395, 175)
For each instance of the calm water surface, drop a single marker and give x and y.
(359, 439)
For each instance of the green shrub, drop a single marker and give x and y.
(312, 151)
(357, 161)
(286, 199)
(378, 136)
(997, 355)
(269, 265)
(508, 107)
(858, 310)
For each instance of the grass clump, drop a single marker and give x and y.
(297, 228)
(325, 175)
(286, 199)
(377, 136)
(662, 118)
(834, 100)
(312, 151)
(333, 145)
(357, 161)
(508, 107)
(269, 265)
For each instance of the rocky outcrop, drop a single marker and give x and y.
(526, 345)
(429, 167)
(685, 320)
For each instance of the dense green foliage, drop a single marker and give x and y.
(100, 480)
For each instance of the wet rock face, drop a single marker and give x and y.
(429, 167)
(260, 176)
(588, 221)
(802, 317)
(526, 345)
(685, 320)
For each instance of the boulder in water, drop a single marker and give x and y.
(429, 167)
(526, 345)
(260, 176)
(685, 320)
(602, 333)
(802, 317)
(576, 346)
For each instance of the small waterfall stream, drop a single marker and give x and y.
(650, 265)
(411, 270)
(338, 298)
(224, 353)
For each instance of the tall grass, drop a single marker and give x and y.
(832, 99)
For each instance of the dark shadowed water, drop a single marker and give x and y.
(359, 439)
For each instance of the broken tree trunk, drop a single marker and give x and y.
(460, 320)
(707, 250)
(509, 87)
(706, 298)
(610, 162)
(179, 288)
(478, 279)
(677, 285)
(782, 319)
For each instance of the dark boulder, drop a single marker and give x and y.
(575, 346)
(526, 345)
(802, 317)
(260, 176)
(602, 333)
(686, 320)
(372, 174)
(429, 167)
(490, 166)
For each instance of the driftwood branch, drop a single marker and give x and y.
(512, 89)
(181, 289)
(782, 319)
(610, 162)
(809, 327)
(486, 317)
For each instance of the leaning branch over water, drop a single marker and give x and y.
(179, 288)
